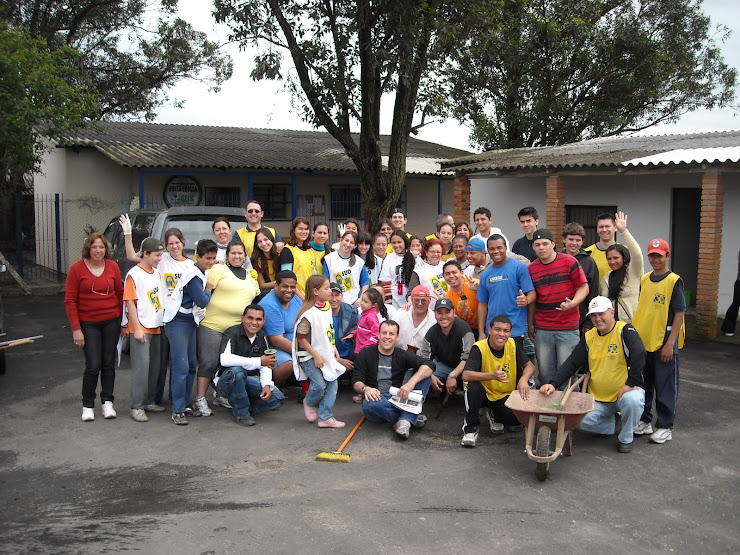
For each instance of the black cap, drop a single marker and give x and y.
(336, 287)
(443, 303)
(543, 234)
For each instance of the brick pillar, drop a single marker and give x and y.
(710, 251)
(461, 199)
(555, 207)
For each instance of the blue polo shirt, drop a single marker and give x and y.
(279, 320)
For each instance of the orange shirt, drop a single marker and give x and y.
(465, 308)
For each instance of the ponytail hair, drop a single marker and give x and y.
(312, 283)
(377, 299)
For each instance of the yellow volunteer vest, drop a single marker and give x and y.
(607, 363)
(495, 389)
(318, 258)
(599, 257)
(651, 314)
(247, 237)
(303, 266)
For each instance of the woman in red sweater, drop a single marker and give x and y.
(94, 302)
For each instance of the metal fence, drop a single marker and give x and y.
(41, 235)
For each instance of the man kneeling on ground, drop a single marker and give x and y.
(494, 368)
(245, 373)
(615, 356)
(382, 366)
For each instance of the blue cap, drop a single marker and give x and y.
(476, 244)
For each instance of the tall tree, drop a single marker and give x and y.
(128, 57)
(347, 54)
(547, 72)
(37, 98)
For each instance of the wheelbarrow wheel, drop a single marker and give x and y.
(542, 470)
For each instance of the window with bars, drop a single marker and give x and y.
(276, 201)
(223, 196)
(586, 216)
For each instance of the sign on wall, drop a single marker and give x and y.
(182, 190)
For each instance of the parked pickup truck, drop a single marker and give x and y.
(195, 222)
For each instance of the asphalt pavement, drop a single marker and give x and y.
(68, 486)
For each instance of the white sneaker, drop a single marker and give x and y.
(469, 439)
(662, 435)
(221, 401)
(108, 410)
(403, 428)
(139, 415)
(88, 414)
(201, 405)
(643, 428)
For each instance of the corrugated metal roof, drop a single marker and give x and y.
(611, 151)
(689, 156)
(153, 145)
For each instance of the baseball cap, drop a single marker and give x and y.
(420, 291)
(476, 244)
(543, 234)
(443, 303)
(658, 245)
(335, 287)
(598, 305)
(150, 244)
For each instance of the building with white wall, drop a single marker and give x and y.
(108, 169)
(683, 188)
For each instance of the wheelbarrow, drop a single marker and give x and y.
(542, 414)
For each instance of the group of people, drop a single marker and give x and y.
(455, 312)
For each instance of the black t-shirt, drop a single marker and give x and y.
(448, 349)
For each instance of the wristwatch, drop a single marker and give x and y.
(452, 375)
(364, 387)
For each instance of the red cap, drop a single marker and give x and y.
(659, 245)
(420, 291)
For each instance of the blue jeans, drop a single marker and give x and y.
(321, 393)
(243, 393)
(384, 411)
(442, 370)
(183, 361)
(552, 348)
(164, 358)
(602, 419)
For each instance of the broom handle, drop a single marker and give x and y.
(346, 441)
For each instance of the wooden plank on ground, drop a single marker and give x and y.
(15, 274)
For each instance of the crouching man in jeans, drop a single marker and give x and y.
(245, 373)
(615, 356)
(382, 366)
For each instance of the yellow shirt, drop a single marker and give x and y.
(304, 266)
(495, 389)
(229, 297)
(651, 315)
(607, 363)
(247, 237)
(599, 257)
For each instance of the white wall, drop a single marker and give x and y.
(504, 197)
(645, 198)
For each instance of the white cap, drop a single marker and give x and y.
(599, 304)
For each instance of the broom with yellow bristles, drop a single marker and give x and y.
(338, 456)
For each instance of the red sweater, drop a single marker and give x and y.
(90, 298)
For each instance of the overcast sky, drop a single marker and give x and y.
(245, 103)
